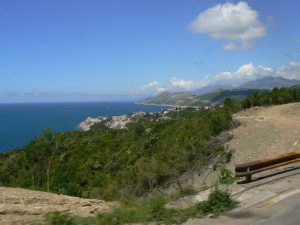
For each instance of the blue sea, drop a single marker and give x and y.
(19, 123)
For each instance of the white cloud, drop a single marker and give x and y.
(237, 24)
(290, 71)
(181, 83)
(294, 64)
(149, 89)
(246, 72)
(230, 47)
(249, 72)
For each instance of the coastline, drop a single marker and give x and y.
(163, 105)
(171, 106)
(23, 122)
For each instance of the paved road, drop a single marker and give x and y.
(286, 212)
(281, 210)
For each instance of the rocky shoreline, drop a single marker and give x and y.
(163, 105)
(88, 122)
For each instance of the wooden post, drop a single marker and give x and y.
(248, 177)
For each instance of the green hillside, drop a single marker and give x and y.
(272, 97)
(117, 164)
(187, 99)
(173, 98)
(236, 94)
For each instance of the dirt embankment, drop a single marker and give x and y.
(266, 131)
(19, 205)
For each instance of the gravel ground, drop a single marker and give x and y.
(19, 205)
(266, 131)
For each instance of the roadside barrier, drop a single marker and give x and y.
(247, 169)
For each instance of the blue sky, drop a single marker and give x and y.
(96, 50)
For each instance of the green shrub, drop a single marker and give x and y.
(218, 202)
(59, 219)
(187, 191)
(273, 97)
(226, 176)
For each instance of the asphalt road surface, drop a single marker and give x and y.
(283, 209)
(286, 212)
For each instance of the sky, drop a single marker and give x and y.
(121, 50)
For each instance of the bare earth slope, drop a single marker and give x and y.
(266, 131)
(18, 205)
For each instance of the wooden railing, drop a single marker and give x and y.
(247, 169)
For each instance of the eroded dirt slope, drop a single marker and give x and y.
(19, 205)
(266, 131)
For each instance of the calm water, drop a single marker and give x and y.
(19, 123)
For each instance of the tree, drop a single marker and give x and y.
(40, 153)
(228, 102)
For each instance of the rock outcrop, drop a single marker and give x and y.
(89, 122)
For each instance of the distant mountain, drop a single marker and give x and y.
(262, 83)
(269, 83)
(211, 88)
(172, 98)
(187, 99)
(213, 94)
(219, 95)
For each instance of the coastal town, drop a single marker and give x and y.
(116, 122)
(120, 122)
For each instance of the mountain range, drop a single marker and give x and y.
(215, 94)
(261, 83)
(269, 83)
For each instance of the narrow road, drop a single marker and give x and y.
(283, 211)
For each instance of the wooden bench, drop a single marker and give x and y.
(247, 169)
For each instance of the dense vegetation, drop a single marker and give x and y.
(274, 97)
(118, 164)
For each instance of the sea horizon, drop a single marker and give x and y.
(45, 102)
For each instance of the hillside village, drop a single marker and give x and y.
(120, 122)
